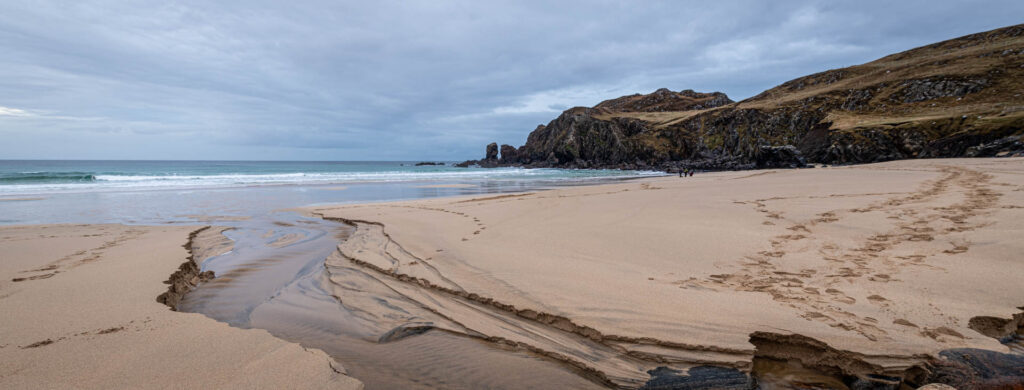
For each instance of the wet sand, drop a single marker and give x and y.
(447, 186)
(80, 311)
(886, 263)
(276, 280)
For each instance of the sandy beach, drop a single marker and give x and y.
(795, 195)
(870, 270)
(81, 312)
(888, 261)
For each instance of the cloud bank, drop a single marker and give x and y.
(327, 80)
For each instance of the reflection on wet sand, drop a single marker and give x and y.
(274, 278)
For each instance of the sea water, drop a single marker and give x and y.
(152, 192)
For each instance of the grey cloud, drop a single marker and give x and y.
(403, 80)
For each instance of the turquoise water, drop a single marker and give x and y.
(147, 192)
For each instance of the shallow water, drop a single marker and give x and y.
(284, 289)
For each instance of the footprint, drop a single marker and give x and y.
(878, 300)
(797, 228)
(37, 277)
(792, 237)
(827, 217)
(840, 296)
(880, 278)
(936, 333)
(900, 321)
(957, 248)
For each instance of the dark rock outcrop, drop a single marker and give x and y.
(490, 159)
(700, 377)
(492, 152)
(573, 137)
(785, 360)
(968, 368)
(912, 91)
(1012, 146)
(509, 154)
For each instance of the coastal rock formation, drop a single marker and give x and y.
(490, 159)
(958, 98)
(492, 152)
(508, 154)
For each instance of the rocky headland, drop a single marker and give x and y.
(958, 98)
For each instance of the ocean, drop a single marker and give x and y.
(150, 192)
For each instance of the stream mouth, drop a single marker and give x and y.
(292, 276)
(275, 278)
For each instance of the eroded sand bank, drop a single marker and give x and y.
(80, 311)
(888, 260)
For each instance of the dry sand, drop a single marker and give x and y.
(83, 314)
(889, 260)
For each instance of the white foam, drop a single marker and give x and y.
(142, 182)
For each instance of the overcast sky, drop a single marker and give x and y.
(377, 80)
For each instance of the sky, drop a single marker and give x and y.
(404, 80)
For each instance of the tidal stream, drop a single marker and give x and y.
(274, 278)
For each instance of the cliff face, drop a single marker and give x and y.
(961, 97)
